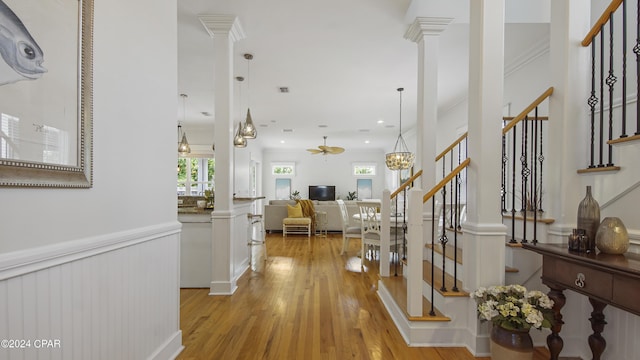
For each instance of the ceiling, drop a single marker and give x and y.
(341, 60)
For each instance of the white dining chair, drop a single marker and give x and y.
(369, 226)
(348, 231)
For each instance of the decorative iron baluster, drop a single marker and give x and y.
(524, 171)
(451, 188)
(395, 270)
(443, 238)
(601, 164)
(455, 232)
(432, 312)
(624, 70)
(503, 177)
(611, 81)
(593, 100)
(540, 160)
(513, 188)
(535, 178)
(636, 50)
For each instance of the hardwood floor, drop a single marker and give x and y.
(304, 302)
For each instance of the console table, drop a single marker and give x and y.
(605, 279)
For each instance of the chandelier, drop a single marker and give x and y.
(401, 158)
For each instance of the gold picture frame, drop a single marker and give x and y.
(55, 104)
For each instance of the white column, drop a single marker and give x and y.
(567, 113)
(225, 31)
(425, 31)
(483, 232)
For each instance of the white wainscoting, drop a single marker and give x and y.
(111, 297)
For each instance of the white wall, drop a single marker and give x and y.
(323, 170)
(132, 202)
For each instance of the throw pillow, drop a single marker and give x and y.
(294, 211)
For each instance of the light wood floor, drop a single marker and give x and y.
(303, 302)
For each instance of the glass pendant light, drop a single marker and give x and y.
(239, 141)
(249, 130)
(401, 158)
(183, 145)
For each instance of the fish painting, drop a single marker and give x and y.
(21, 54)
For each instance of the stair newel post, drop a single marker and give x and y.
(611, 80)
(415, 254)
(513, 186)
(593, 101)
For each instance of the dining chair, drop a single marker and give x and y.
(348, 231)
(369, 226)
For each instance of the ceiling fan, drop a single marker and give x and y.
(324, 149)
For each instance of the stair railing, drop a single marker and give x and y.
(608, 64)
(454, 176)
(522, 166)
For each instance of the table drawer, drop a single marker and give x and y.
(595, 282)
(626, 293)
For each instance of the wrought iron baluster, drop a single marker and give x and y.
(455, 232)
(513, 187)
(611, 81)
(524, 171)
(503, 177)
(601, 164)
(535, 178)
(451, 188)
(432, 312)
(624, 70)
(443, 239)
(541, 160)
(593, 100)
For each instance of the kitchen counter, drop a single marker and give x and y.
(194, 210)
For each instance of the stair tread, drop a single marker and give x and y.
(437, 278)
(530, 218)
(510, 269)
(598, 169)
(397, 287)
(624, 139)
(450, 249)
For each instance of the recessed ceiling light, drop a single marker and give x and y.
(281, 141)
(380, 121)
(366, 141)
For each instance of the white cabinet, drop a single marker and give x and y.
(195, 250)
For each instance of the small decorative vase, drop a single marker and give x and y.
(612, 236)
(589, 218)
(510, 344)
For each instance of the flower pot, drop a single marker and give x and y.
(510, 344)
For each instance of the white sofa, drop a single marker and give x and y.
(276, 210)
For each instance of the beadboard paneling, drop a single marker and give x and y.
(120, 303)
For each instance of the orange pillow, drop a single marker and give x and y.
(294, 211)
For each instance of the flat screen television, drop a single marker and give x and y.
(322, 192)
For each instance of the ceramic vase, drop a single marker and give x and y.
(510, 344)
(612, 236)
(589, 218)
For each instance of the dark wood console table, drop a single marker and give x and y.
(605, 279)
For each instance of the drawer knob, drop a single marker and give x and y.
(580, 280)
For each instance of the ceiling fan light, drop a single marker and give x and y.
(249, 130)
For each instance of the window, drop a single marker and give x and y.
(283, 169)
(9, 135)
(195, 175)
(364, 169)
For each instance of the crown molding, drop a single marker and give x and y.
(426, 26)
(223, 25)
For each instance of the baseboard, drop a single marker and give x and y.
(170, 349)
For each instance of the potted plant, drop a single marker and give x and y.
(210, 196)
(513, 311)
(295, 195)
(352, 195)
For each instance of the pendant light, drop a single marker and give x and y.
(249, 130)
(183, 145)
(239, 141)
(401, 158)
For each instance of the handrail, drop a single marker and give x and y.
(454, 144)
(526, 111)
(406, 184)
(446, 180)
(604, 18)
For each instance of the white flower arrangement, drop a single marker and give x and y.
(513, 307)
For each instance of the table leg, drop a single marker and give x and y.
(554, 341)
(596, 342)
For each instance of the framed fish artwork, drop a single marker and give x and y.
(46, 93)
